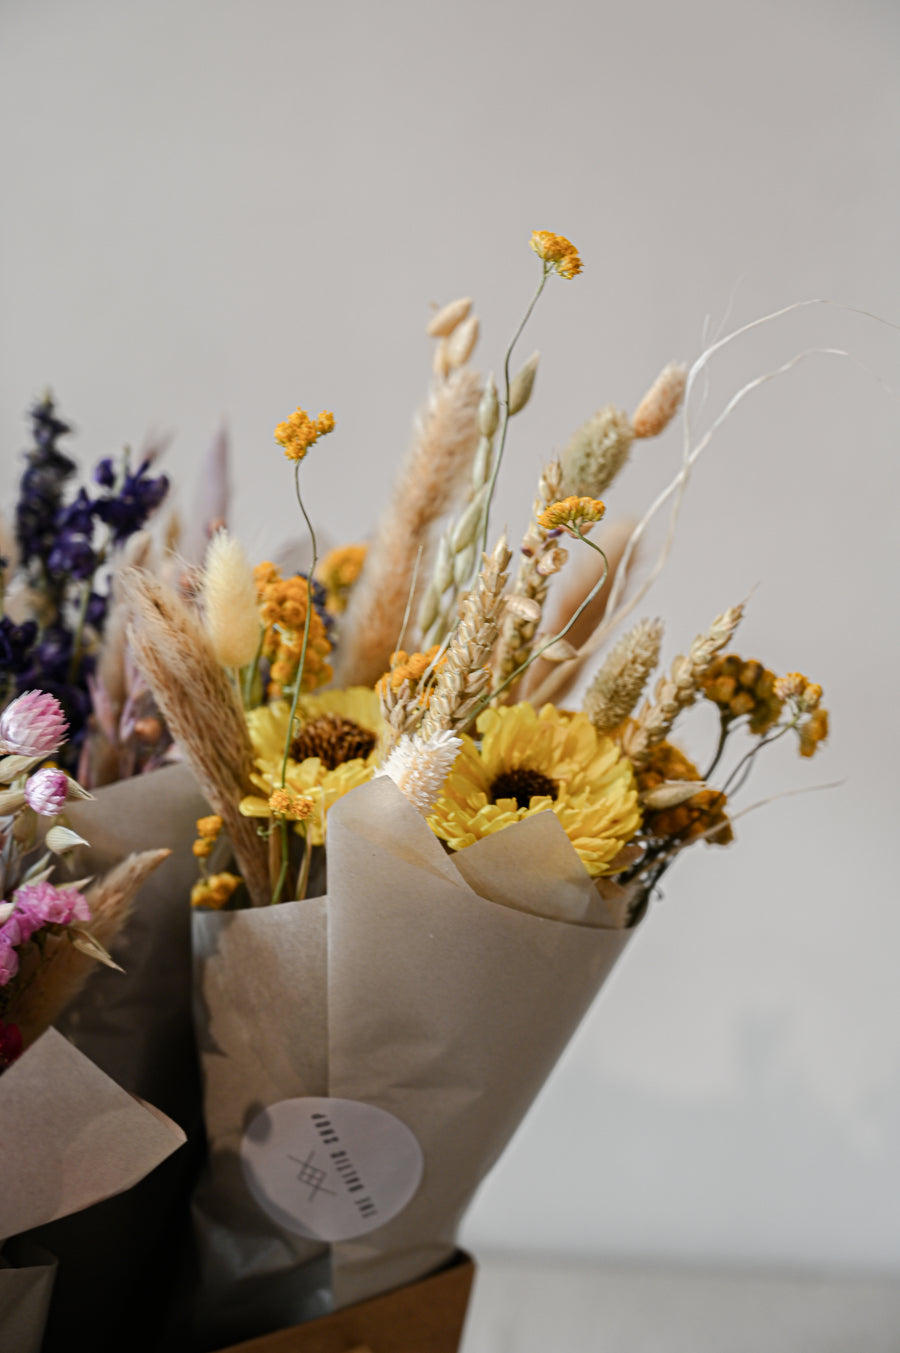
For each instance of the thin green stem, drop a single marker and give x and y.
(252, 669)
(298, 682)
(285, 860)
(746, 762)
(504, 406)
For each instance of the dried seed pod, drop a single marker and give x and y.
(445, 320)
(523, 384)
(462, 341)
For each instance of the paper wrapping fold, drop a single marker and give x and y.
(69, 1136)
(26, 1285)
(439, 988)
(136, 1026)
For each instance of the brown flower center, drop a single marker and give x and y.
(522, 785)
(333, 739)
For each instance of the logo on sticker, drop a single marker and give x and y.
(330, 1169)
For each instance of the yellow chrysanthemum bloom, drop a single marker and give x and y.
(529, 762)
(556, 250)
(572, 515)
(334, 750)
(298, 433)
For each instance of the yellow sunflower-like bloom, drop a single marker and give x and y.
(529, 762)
(556, 250)
(341, 728)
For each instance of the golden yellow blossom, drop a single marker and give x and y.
(311, 777)
(813, 731)
(202, 847)
(338, 571)
(531, 762)
(556, 250)
(689, 821)
(298, 433)
(283, 604)
(215, 891)
(744, 686)
(406, 667)
(287, 804)
(209, 826)
(795, 686)
(572, 513)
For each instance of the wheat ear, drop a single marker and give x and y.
(618, 686)
(202, 710)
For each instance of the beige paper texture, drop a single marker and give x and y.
(439, 988)
(69, 1136)
(26, 1285)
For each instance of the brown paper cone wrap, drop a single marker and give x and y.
(439, 988)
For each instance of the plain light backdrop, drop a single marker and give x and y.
(215, 210)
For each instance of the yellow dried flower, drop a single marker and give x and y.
(286, 803)
(209, 826)
(215, 891)
(556, 250)
(813, 731)
(298, 433)
(795, 686)
(283, 611)
(337, 573)
(202, 847)
(688, 821)
(739, 686)
(531, 762)
(569, 513)
(407, 668)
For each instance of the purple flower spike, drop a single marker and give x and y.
(33, 725)
(46, 791)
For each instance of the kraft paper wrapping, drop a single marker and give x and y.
(439, 988)
(136, 1026)
(69, 1137)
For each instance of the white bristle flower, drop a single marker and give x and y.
(419, 767)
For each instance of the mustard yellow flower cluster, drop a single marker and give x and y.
(741, 686)
(215, 891)
(283, 611)
(573, 515)
(337, 573)
(806, 697)
(286, 803)
(701, 816)
(208, 829)
(556, 250)
(407, 667)
(298, 433)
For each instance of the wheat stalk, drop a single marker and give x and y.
(617, 687)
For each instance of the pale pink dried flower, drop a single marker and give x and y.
(33, 725)
(46, 791)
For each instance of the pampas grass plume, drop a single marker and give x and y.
(231, 608)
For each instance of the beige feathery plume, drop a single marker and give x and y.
(618, 686)
(660, 404)
(532, 582)
(596, 453)
(230, 603)
(59, 978)
(445, 440)
(464, 678)
(202, 710)
(419, 767)
(678, 690)
(546, 680)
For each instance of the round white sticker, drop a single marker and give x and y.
(330, 1169)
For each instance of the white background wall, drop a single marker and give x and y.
(219, 209)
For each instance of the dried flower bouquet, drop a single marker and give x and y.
(436, 860)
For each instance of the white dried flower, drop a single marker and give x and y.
(231, 608)
(419, 767)
(596, 453)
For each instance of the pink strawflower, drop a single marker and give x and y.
(40, 904)
(9, 961)
(46, 791)
(33, 725)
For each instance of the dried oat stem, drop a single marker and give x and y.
(202, 710)
(64, 971)
(465, 676)
(617, 687)
(678, 690)
(445, 440)
(518, 633)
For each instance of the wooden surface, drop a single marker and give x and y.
(425, 1317)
